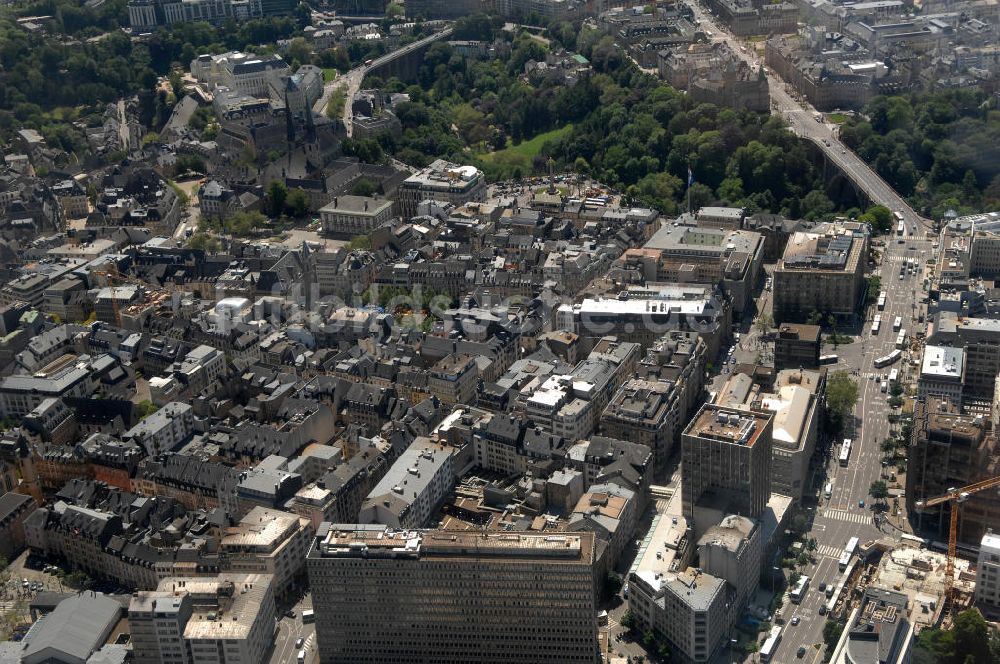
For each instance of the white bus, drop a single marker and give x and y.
(845, 452)
(897, 324)
(828, 359)
(881, 301)
(888, 359)
(845, 557)
(893, 376)
(839, 589)
(771, 644)
(799, 591)
(901, 340)
(876, 323)
(900, 229)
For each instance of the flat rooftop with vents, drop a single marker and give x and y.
(731, 426)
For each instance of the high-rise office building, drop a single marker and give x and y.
(726, 460)
(384, 596)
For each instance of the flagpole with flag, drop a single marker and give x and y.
(690, 182)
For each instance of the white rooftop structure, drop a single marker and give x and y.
(943, 362)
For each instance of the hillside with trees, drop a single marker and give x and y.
(941, 150)
(629, 130)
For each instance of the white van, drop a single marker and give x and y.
(829, 490)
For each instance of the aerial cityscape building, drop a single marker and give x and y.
(508, 331)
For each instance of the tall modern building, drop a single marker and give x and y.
(726, 461)
(988, 572)
(948, 449)
(385, 596)
(821, 273)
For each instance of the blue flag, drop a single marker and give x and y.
(690, 176)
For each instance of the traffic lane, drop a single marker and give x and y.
(289, 631)
(809, 629)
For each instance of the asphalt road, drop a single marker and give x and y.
(801, 118)
(351, 81)
(289, 630)
(838, 519)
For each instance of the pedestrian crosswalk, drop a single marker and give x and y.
(828, 551)
(850, 517)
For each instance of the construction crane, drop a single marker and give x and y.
(955, 497)
(112, 276)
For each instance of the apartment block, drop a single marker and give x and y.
(570, 405)
(726, 460)
(441, 181)
(454, 378)
(649, 412)
(227, 619)
(980, 340)
(821, 273)
(267, 541)
(346, 216)
(414, 487)
(163, 430)
(797, 346)
(383, 596)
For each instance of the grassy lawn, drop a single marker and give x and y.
(335, 107)
(329, 73)
(836, 118)
(527, 149)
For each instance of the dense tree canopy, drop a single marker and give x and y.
(629, 129)
(940, 149)
(970, 640)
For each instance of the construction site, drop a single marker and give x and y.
(906, 568)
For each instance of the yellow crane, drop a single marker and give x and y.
(955, 497)
(113, 276)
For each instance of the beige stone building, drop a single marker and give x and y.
(822, 273)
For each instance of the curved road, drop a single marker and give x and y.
(802, 121)
(352, 80)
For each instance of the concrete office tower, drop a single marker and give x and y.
(726, 461)
(384, 596)
(988, 572)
